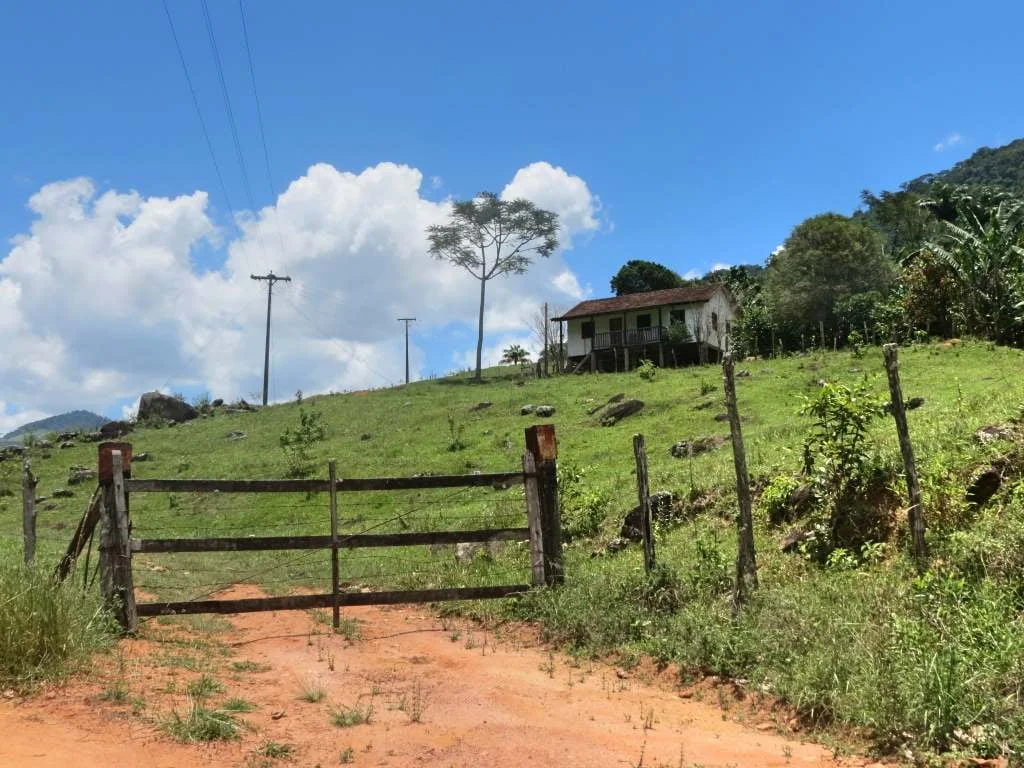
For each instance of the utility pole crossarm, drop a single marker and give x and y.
(270, 278)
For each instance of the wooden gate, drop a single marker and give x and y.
(542, 530)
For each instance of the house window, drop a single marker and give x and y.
(676, 316)
(614, 323)
(643, 321)
(587, 329)
(714, 320)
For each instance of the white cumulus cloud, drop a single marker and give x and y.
(101, 298)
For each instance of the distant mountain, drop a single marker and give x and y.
(1002, 167)
(64, 422)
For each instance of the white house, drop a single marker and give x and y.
(615, 334)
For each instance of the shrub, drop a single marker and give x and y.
(296, 442)
(583, 508)
(46, 629)
(647, 370)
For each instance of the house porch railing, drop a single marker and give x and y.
(630, 337)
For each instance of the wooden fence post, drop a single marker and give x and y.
(746, 558)
(643, 493)
(533, 519)
(915, 513)
(542, 444)
(332, 473)
(116, 580)
(28, 512)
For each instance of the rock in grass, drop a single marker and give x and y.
(526, 410)
(984, 486)
(662, 510)
(685, 449)
(157, 405)
(544, 411)
(619, 411)
(236, 435)
(62, 493)
(481, 406)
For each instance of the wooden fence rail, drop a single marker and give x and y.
(543, 532)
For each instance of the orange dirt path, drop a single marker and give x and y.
(481, 700)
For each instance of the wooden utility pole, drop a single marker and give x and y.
(407, 320)
(547, 346)
(271, 278)
(915, 514)
(746, 558)
(28, 512)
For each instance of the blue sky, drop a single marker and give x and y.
(703, 132)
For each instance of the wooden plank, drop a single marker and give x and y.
(746, 558)
(354, 541)
(323, 486)
(915, 513)
(121, 565)
(643, 494)
(28, 512)
(533, 517)
(543, 444)
(332, 474)
(83, 534)
(306, 602)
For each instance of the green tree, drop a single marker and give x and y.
(515, 355)
(637, 276)
(825, 260)
(489, 237)
(984, 255)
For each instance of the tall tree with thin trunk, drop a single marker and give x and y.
(489, 237)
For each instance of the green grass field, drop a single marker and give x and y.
(868, 645)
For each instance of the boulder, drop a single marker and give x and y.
(526, 410)
(616, 398)
(62, 493)
(114, 429)
(63, 437)
(798, 504)
(78, 475)
(44, 445)
(481, 406)
(685, 449)
(217, 403)
(984, 486)
(140, 457)
(616, 413)
(993, 432)
(544, 411)
(661, 510)
(742, 374)
(158, 406)
(67, 444)
(791, 541)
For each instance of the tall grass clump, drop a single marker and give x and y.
(46, 629)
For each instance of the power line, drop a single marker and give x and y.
(256, 96)
(199, 112)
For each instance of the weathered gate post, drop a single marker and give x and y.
(644, 495)
(746, 558)
(915, 512)
(542, 445)
(116, 583)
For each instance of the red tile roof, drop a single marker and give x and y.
(690, 294)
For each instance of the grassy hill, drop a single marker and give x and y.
(63, 422)
(931, 662)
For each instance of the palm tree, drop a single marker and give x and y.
(515, 355)
(984, 253)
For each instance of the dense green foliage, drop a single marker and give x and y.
(1001, 167)
(637, 276)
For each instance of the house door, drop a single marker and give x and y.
(615, 331)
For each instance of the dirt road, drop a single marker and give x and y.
(440, 694)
